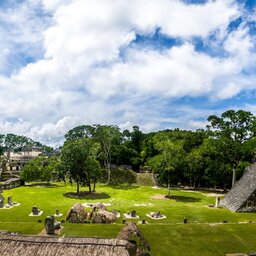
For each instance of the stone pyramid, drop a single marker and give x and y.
(242, 196)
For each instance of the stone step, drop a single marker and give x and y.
(242, 190)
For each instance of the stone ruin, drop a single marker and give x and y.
(35, 210)
(98, 214)
(156, 215)
(132, 213)
(51, 225)
(9, 200)
(76, 214)
(1, 199)
(242, 196)
(9, 204)
(131, 231)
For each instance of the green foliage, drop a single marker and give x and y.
(32, 171)
(108, 136)
(80, 132)
(40, 168)
(12, 142)
(231, 131)
(79, 158)
(204, 158)
(49, 166)
(168, 159)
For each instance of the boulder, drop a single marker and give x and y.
(76, 214)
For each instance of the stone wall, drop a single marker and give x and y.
(146, 179)
(12, 183)
(242, 197)
(124, 175)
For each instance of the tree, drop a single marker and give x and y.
(232, 130)
(195, 162)
(40, 168)
(133, 141)
(48, 167)
(79, 157)
(11, 142)
(168, 159)
(61, 170)
(32, 171)
(80, 132)
(108, 136)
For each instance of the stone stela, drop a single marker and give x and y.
(1, 199)
(35, 210)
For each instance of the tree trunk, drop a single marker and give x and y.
(109, 172)
(169, 186)
(90, 188)
(234, 176)
(77, 187)
(94, 185)
(169, 190)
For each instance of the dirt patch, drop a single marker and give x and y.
(191, 191)
(144, 204)
(87, 195)
(214, 194)
(159, 197)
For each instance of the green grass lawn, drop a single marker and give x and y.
(203, 235)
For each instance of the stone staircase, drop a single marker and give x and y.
(241, 191)
(6, 175)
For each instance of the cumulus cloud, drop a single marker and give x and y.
(21, 32)
(85, 67)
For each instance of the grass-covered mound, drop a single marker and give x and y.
(203, 235)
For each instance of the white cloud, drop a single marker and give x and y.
(81, 78)
(178, 19)
(179, 71)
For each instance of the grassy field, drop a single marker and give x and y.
(203, 235)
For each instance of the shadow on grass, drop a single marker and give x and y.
(122, 186)
(187, 199)
(44, 185)
(86, 195)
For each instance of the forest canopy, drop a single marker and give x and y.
(211, 157)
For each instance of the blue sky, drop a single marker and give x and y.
(157, 64)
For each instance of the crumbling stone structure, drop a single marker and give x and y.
(242, 196)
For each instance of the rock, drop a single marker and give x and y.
(100, 206)
(76, 214)
(97, 219)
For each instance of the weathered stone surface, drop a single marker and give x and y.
(49, 225)
(100, 206)
(133, 213)
(1, 202)
(217, 201)
(76, 214)
(97, 219)
(1, 199)
(242, 197)
(9, 200)
(35, 210)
